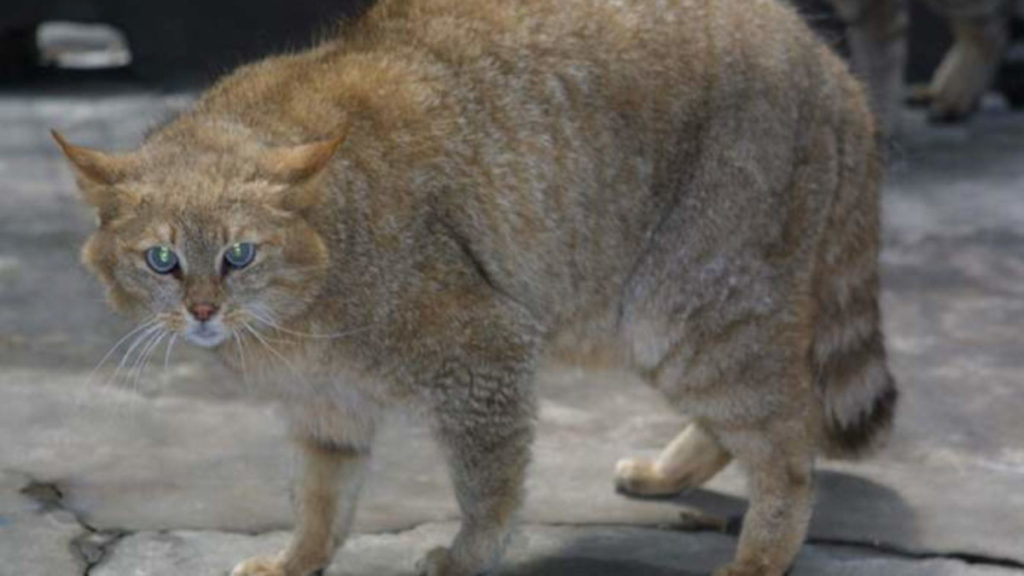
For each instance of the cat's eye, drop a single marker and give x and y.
(239, 255)
(161, 259)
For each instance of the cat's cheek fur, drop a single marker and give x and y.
(98, 256)
(132, 290)
(301, 277)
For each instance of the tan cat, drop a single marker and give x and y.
(413, 214)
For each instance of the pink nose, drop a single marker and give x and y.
(203, 312)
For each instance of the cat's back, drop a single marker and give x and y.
(560, 130)
(577, 124)
(657, 65)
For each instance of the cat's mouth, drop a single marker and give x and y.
(206, 334)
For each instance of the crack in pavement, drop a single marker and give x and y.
(92, 546)
(696, 522)
(965, 557)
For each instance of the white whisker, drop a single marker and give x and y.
(146, 340)
(138, 340)
(146, 353)
(280, 328)
(267, 336)
(148, 323)
(241, 358)
(274, 352)
(167, 353)
(131, 375)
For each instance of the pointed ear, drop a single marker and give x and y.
(95, 166)
(295, 168)
(97, 174)
(296, 164)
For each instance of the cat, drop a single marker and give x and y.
(878, 43)
(419, 211)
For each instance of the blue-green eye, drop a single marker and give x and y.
(161, 259)
(240, 254)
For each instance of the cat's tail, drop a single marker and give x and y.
(848, 355)
(857, 389)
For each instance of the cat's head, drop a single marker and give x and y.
(204, 240)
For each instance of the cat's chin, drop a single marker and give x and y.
(206, 339)
(208, 334)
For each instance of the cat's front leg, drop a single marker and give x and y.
(324, 501)
(485, 426)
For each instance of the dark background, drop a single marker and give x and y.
(191, 42)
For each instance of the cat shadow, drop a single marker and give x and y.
(849, 509)
(854, 509)
(560, 566)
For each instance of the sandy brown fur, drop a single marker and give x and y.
(693, 183)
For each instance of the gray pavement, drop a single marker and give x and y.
(167, 477)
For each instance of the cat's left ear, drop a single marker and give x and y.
(94, 166)
(98, 175)
(296, 167)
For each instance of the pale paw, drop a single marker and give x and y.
(639, 476)
(957, 95)
(919, 96)
(948, 111)
(746, 569)
(259, 567)
(437, 562)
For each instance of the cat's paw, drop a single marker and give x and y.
(639, 477)
(746, 569)
(259, 567)
(919, 96)
(437, 562)
(953, 110)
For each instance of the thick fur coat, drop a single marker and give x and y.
(450, 190)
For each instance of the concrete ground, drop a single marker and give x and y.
(161, 479)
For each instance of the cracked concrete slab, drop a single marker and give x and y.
(537, 550)
(34, 538)
(171, 461)
(174, 462)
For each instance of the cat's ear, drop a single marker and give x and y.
(295, 167)
(98, 174)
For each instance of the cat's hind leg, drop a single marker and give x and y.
(778, 459)
(968, 68)
(690, 460)
(741, 370)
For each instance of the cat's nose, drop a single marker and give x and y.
(203, 312)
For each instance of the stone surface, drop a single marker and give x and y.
(35, 539)
(166, 458)
(538, 550)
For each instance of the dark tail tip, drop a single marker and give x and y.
(867, 433)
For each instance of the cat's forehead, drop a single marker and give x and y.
(199, 182)
(195, 225)
(199, 186)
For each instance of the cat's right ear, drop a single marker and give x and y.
(295, 167)
(98, 175)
